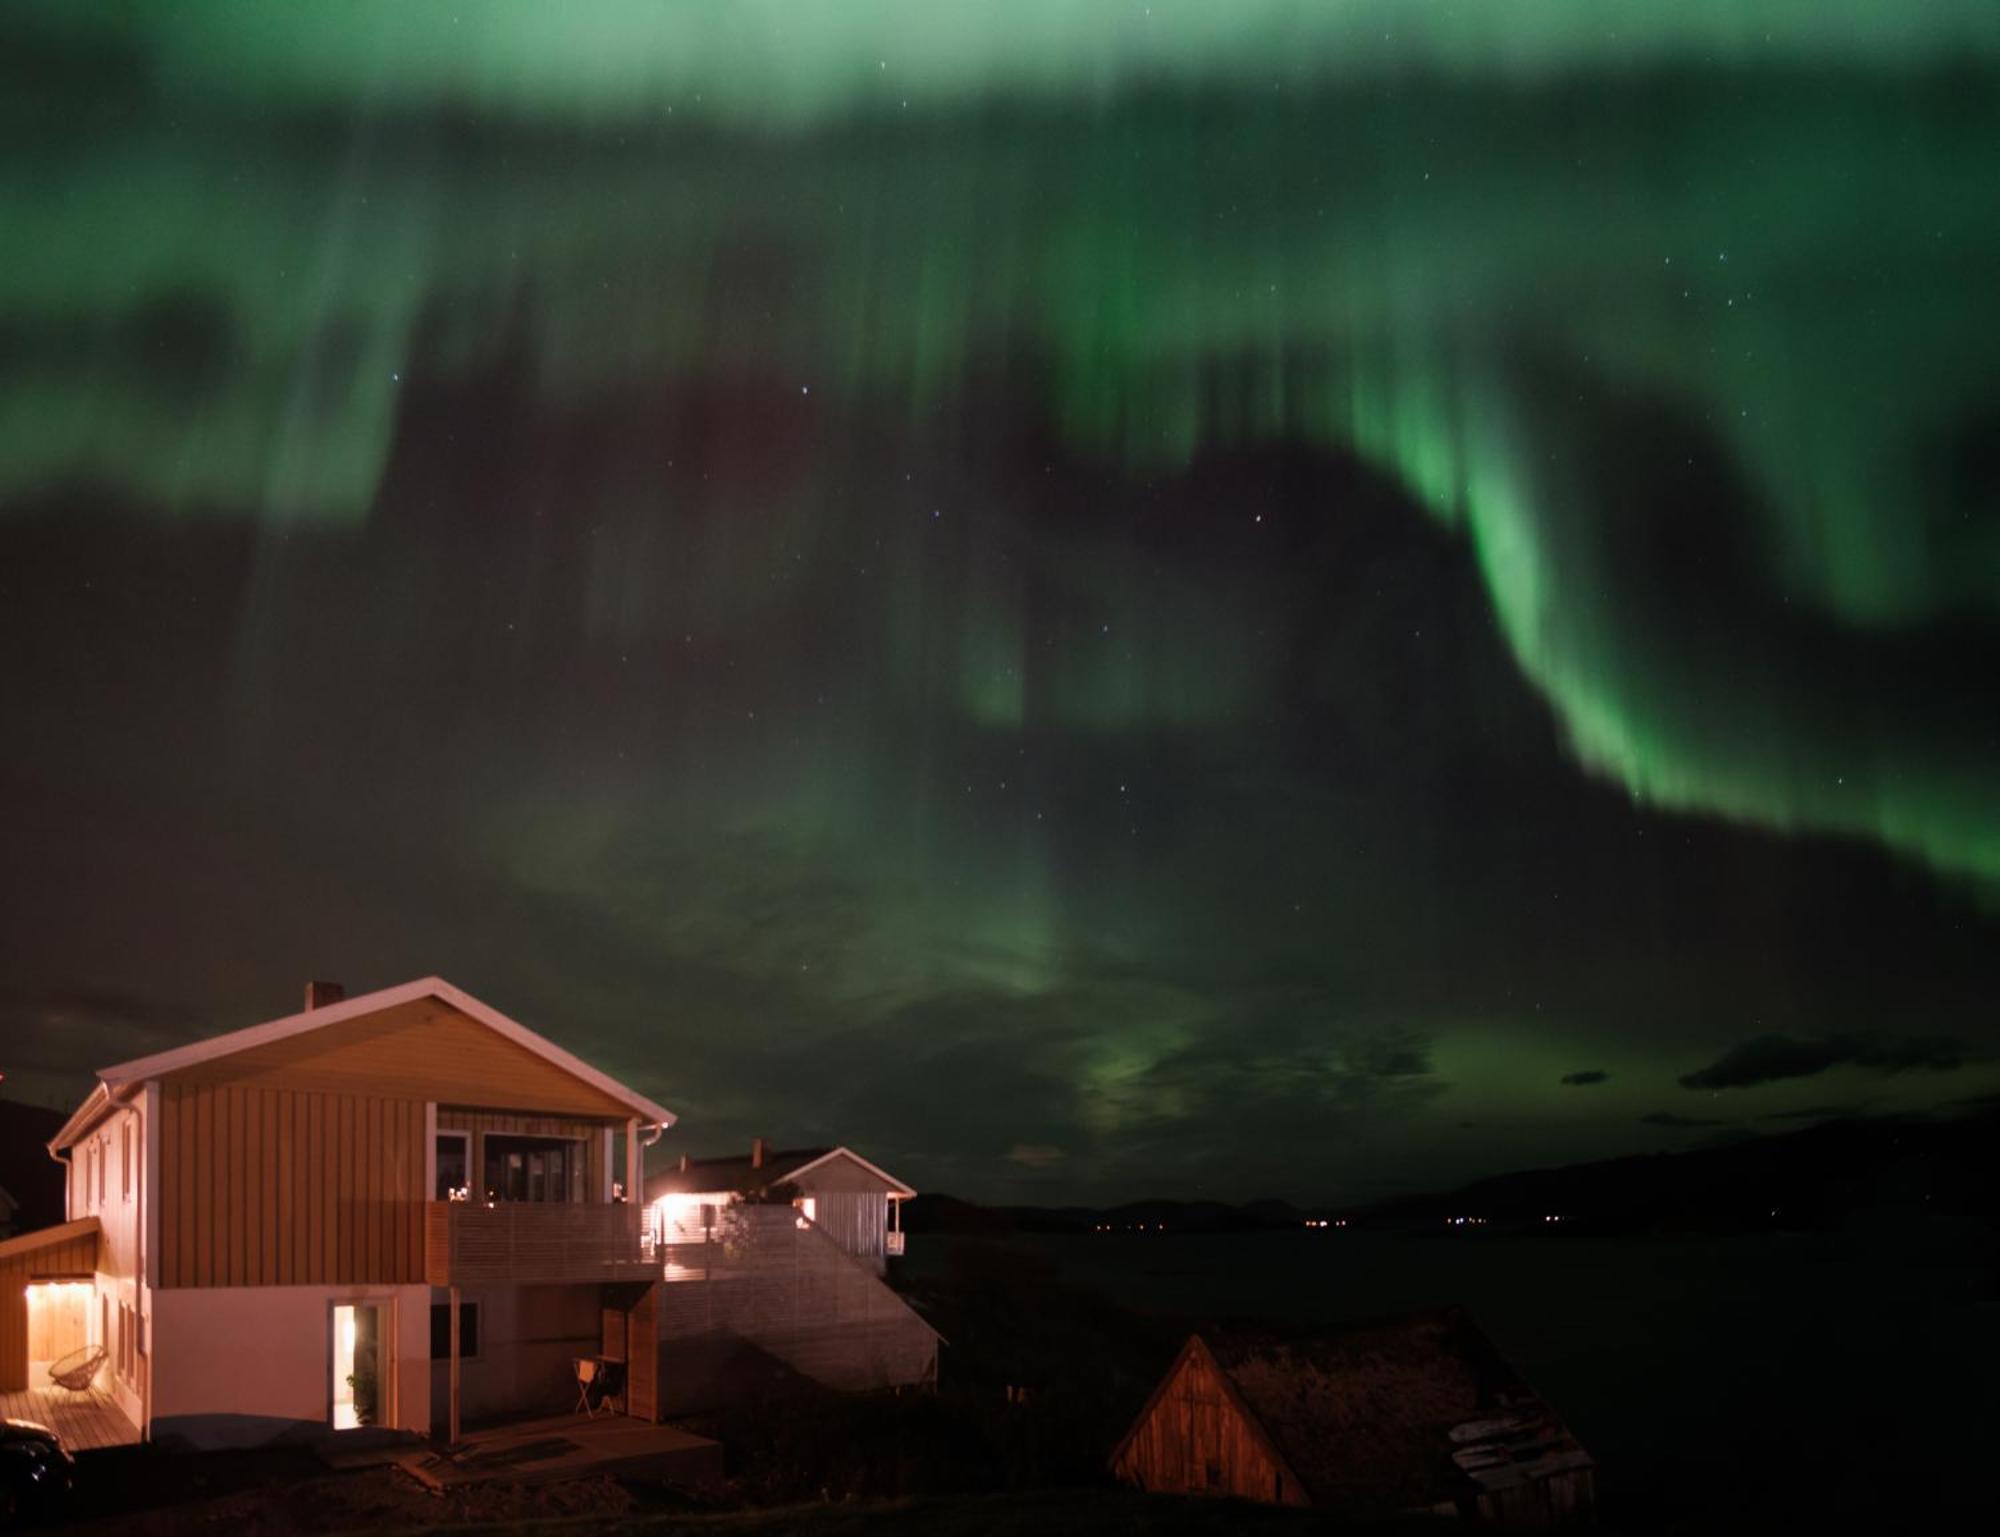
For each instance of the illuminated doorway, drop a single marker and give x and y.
(360, 1362)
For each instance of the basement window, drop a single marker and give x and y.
(468, 1331)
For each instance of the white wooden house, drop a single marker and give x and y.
(855, 1203)
(380, 1211)
(400, 1209)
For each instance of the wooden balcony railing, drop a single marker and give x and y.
(466, 1242)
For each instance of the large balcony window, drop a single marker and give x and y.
(534, 1169)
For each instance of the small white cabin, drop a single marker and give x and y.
(852, 1201)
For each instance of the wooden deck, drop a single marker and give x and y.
(567, 1446)
(85, 1421)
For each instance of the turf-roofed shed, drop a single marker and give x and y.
(1418, 1414)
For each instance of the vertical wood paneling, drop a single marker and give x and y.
(268, 1187)
(237, 1167)
(301, 1226)
(169, 1247)
(268, 1184)
(413, 1226)
(1195, 1438)
(182, 1184)
(282, 1191)
(274, 1187)
(204, 1187)
(343, 1186)
(319, 1182)
(365, 1186)
(383, 1186)
(251, 1166)
(642, 1356)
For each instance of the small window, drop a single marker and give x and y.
(454, 1166)
(468, 1331)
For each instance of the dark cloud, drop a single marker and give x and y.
(1936, 1054)
(56, 1036)
(1817, 1113)
(1676, 1122)
(1769, 1058)
(1585, 1078)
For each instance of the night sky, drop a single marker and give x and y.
(1094, 598)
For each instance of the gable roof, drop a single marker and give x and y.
(1393, 1416)
(121, 1081)
(736, 1173)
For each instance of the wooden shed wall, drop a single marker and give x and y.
(73, 1256)
(1195, 1438)
(279, 1186)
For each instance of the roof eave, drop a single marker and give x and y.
(96, 1105)
(161, 1063)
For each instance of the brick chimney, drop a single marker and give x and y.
(760, 1150)
(320, 994)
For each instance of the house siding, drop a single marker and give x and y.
(265, 1186)
(855, 1220)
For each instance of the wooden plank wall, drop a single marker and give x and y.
(266, 1186)
(71, 1256)
(642, 1352)
(53, 1332)
(855, 1221)
(1195, 1440)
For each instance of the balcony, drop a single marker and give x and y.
(467, 1243)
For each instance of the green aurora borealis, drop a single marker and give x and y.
(1089, 575)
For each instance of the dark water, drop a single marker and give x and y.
(1848, 1373)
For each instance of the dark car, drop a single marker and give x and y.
(36, 1471)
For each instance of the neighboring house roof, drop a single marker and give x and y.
(1395, 1416)
(121, 1081)
(46, 1238)
(702, 1176)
